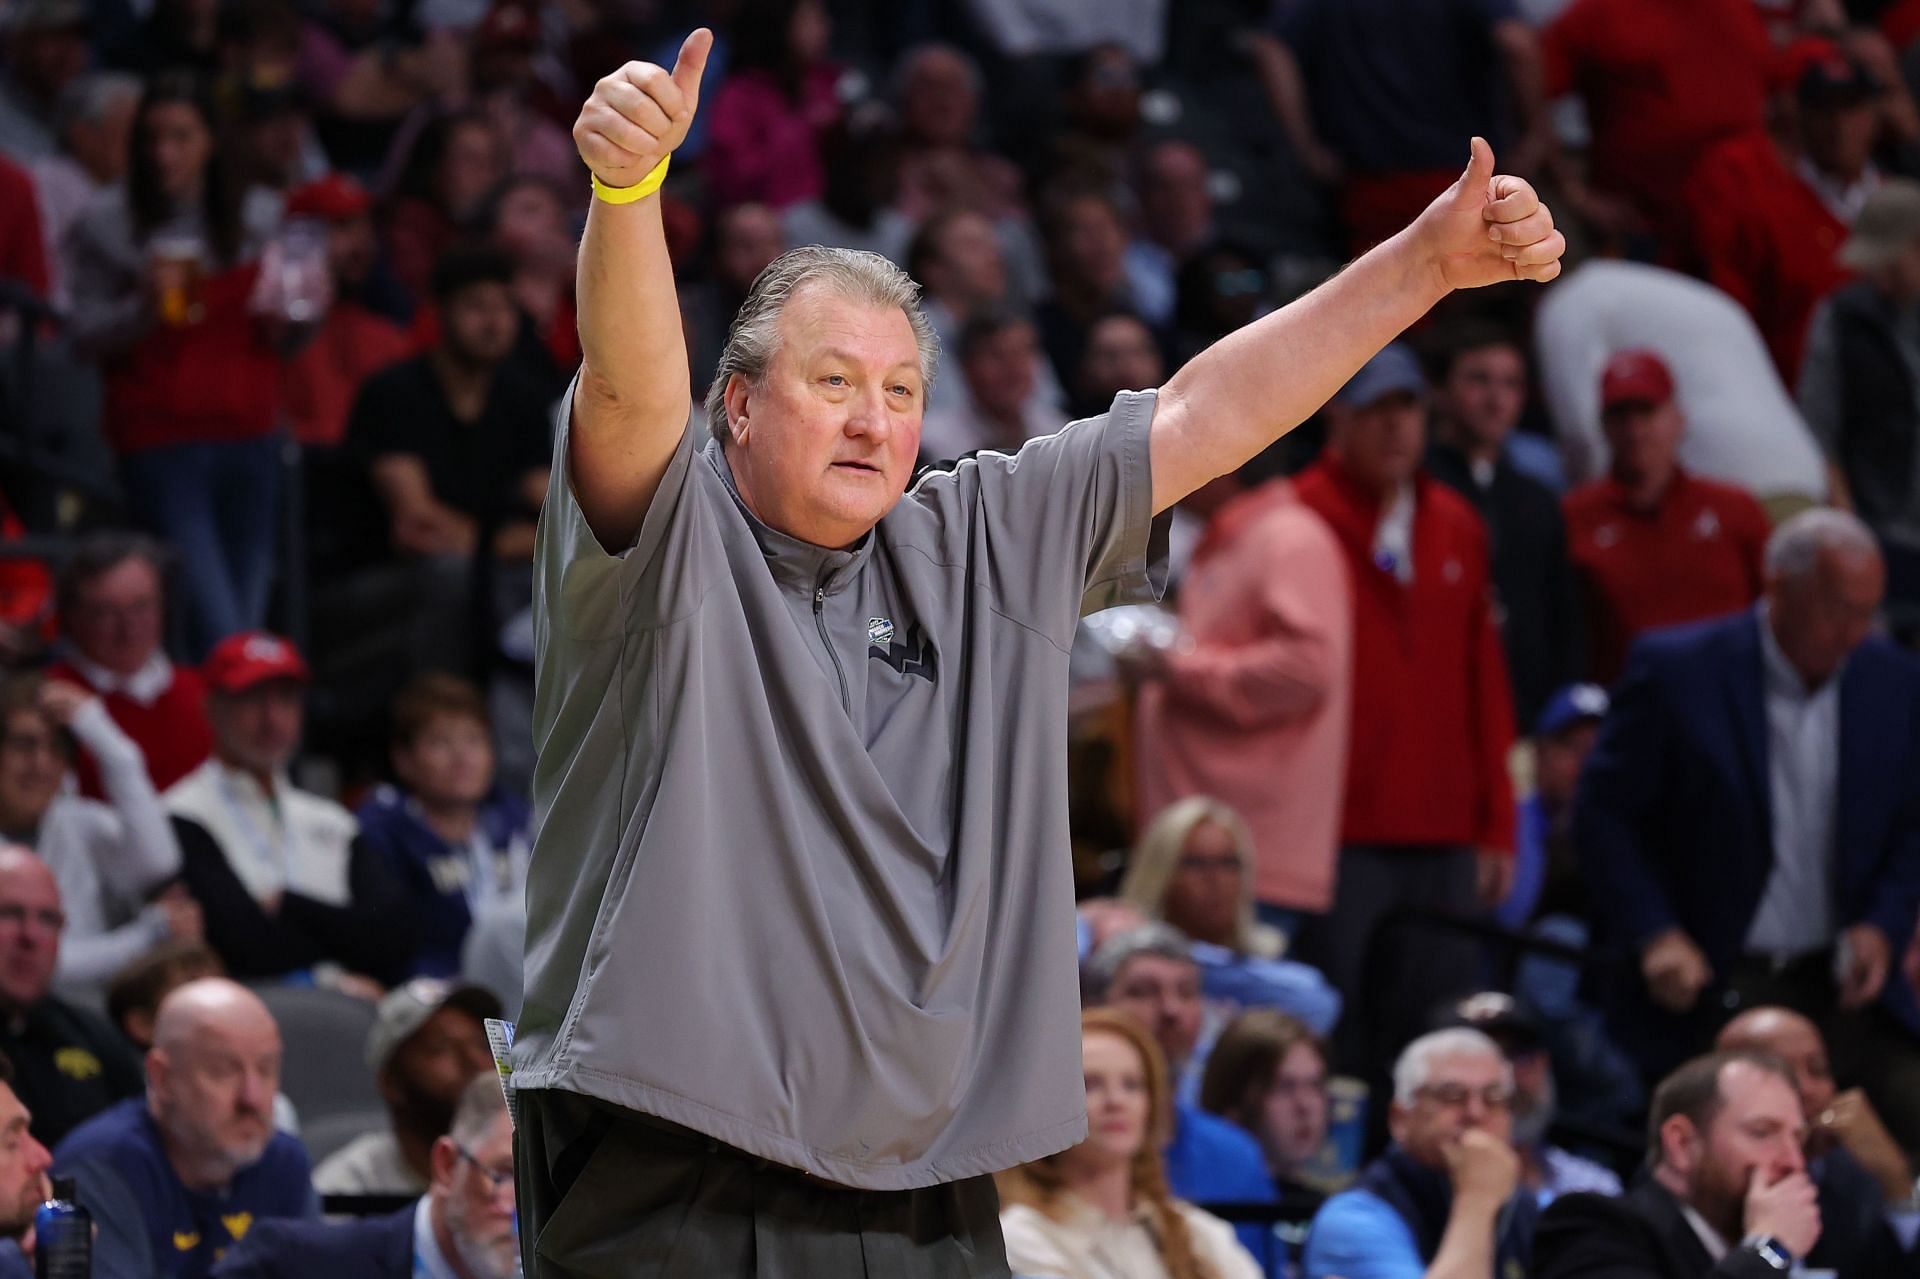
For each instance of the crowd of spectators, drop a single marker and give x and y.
(1539, 718)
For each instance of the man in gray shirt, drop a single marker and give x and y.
(800, 963)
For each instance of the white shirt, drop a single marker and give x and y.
(1742, 425)
(370, 1164)
(1803, 782)
(1393, 538)
(428, 1261)
(1843, 199)
(1090, 1245)
(145, 686)
(283, 840)
(1710, 1239)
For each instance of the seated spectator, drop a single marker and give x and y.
(275, 867)
(1256, 709)
(745, 238)
(1652, 544)
(46, 51)
(937, 89)
(463, 1226)
(1268, 1074)
(23, 1180)
(1477, 450)
(1869, 1224)
(1742, 425)
(455, 442)
(113, 610)
(1728, 1195)
(1193, 869)
(860, 154)
(1150, 974)
(961, 271)
(1086, 256)
(1443, 1201)
(1860, 393)
(1767, 214)
(1545, 1169)
(1093, 147)
(136, 992)
(427, 1044)
(1121, 353)
(354, 341)
(767, 118)
(1104, 1206)
(1176, 223)
(455, 163)
(1428, 816)
(1660, 87)
(529, 220)
(1456, 71)
(178, 1177)
(1222, 286)
(455, 840)
(1746, 821)
(1003, 402)
(109, 858)
(93, 122)
(68, 1063)
(506, 86)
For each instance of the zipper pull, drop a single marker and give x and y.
(819, 599)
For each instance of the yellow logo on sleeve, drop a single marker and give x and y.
(186, 1240)
(237, 1225)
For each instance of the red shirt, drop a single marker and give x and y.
(322, 380)
(1662, 80)
(1432, 712)
(1696, 555)
(172, 731)
(1765, 237)
(217, 380)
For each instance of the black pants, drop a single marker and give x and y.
(606, 1193)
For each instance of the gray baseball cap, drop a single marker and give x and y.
(1395, 370)
(1888, 224)
(409, 1006)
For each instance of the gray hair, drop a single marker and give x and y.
(1161, 940)
(481, 1102)
(1793, 552)
(1418, 1059)
(852, 274)
(89, 97)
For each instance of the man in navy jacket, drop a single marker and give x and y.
(462, 1228)
(1750, 817)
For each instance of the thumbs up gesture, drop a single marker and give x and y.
(640, 113)
(1488, 228)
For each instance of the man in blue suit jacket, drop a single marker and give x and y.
(1750, 818)
(462, 1228)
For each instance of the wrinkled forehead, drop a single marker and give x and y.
(1473, 1069)
(1155, 972)
(818, 322)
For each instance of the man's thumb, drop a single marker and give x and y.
(692, 63)
(1473, 183)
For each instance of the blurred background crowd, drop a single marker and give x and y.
(1542, 714)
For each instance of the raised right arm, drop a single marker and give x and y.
(634, 395)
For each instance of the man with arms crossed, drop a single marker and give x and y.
(799, 973)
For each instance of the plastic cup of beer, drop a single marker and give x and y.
(179, 263)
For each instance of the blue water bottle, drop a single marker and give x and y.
(63, 1236)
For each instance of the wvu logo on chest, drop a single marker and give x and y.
(237, 1224)
(914, 656)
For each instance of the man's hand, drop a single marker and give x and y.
(185, 923)
(1788, 1210)
(1493, 875)
(1487, 230)
(1483, 1168)
(62, 700)
(638, 115)
(1675, 970)
(1866, 958)
(1853, 1123)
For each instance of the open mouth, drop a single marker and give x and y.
(858, 466)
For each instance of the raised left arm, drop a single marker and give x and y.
(1254, 385)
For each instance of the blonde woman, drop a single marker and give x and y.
(1102, 1210)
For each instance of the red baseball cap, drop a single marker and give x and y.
(334, 198)
(241, 661)
(1635, 377)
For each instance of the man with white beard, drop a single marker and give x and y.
(462, 1228)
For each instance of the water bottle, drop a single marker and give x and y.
(63, 1236)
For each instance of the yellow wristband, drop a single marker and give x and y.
(638, 191)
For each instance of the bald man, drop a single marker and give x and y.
(177, 1179)
(69, 1063)
(1866, 1183)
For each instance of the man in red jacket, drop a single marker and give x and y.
(1428, 821)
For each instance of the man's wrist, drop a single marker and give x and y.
(1769, 1250)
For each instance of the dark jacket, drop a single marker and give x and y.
(1855, 1239)
(1672, 819)
(375, 1248)
(1878, 421)
(1539, 622)
(1640, 1235)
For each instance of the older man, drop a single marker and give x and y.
(1750, 816)
(1445, 1200)
(23, 1179)
(178, 1177)
(778, 688)
(1870, 1222)
(461, 1228)
(1728, 1197)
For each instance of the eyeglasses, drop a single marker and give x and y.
(16, 916)
(1454, 1096)
(496, 1179)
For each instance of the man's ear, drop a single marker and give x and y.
(1680, 1145)
(442, 1160)
(735, 398)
